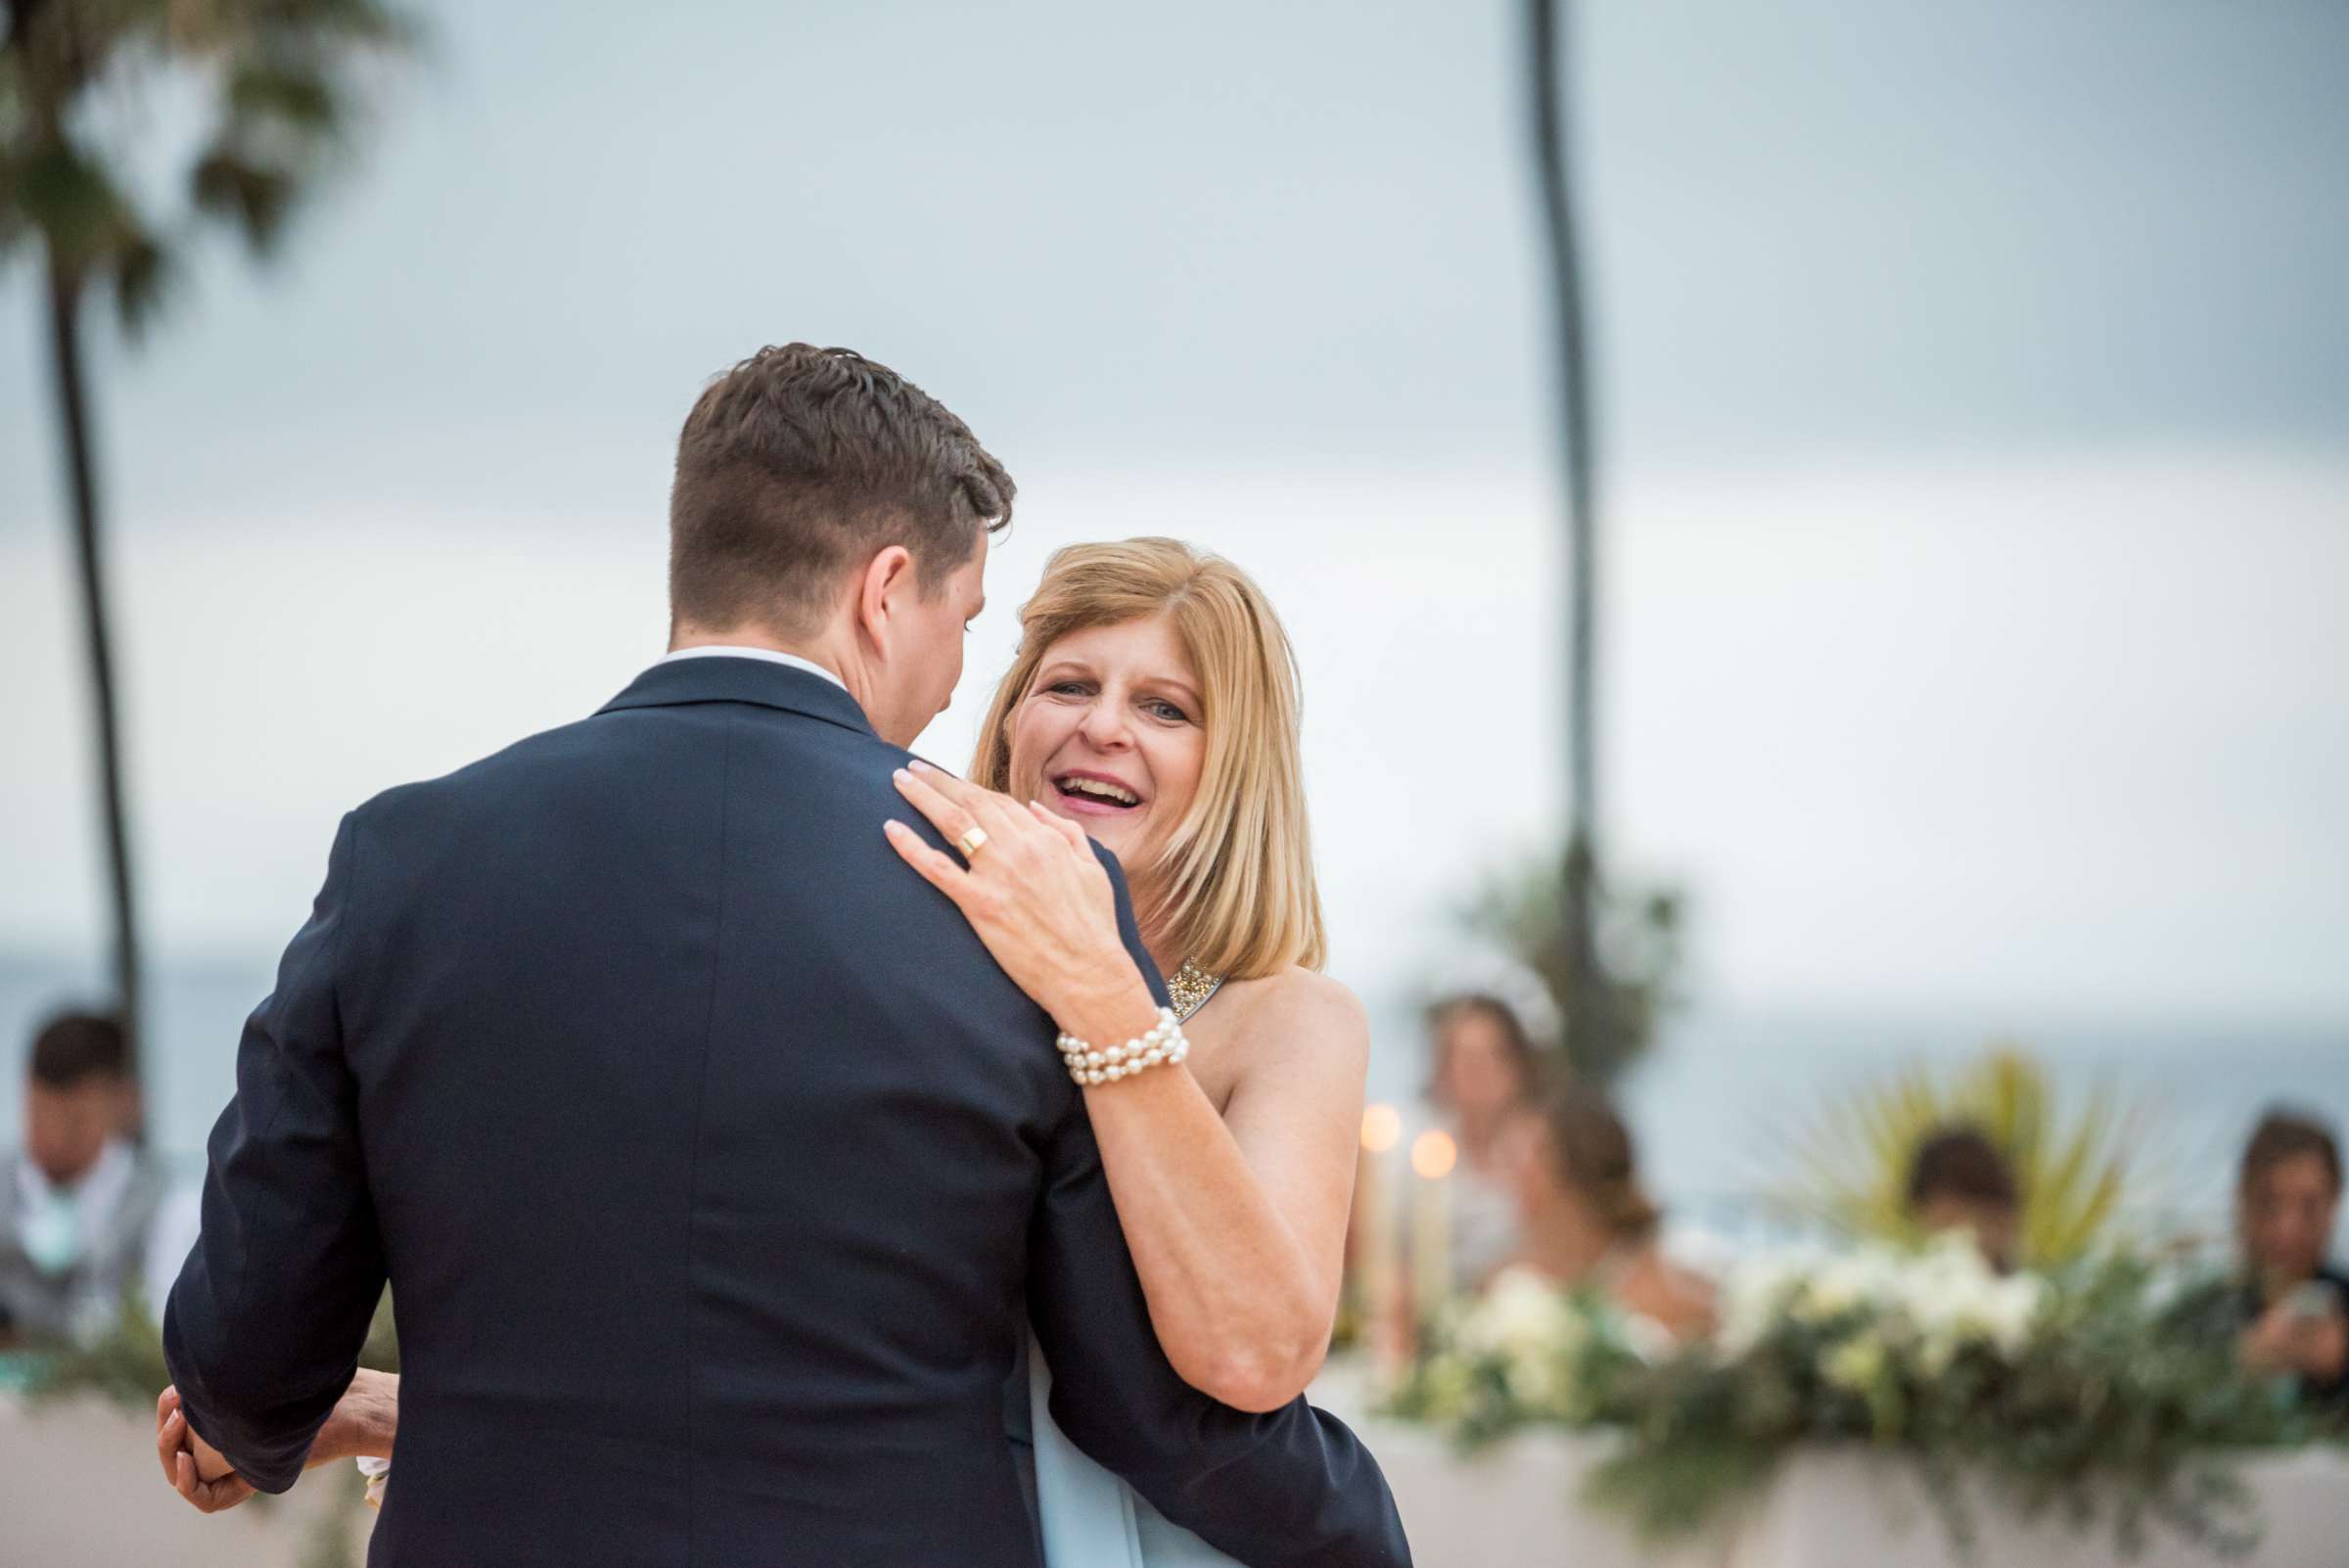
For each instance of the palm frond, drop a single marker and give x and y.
(285, 79)
(298, 97)
(143, 274)
(256, 197)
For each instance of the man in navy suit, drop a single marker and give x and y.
(716, 1171)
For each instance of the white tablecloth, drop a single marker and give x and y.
(1519, 1506)
(79, 1488)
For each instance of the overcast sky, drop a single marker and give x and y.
(1974, 384)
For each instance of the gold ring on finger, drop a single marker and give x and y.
(971, 842)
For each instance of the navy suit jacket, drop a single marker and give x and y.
(715, 1169)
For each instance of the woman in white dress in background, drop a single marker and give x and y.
(1153, 707)
(1483, 1067)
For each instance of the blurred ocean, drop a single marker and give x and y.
(1713, 1106)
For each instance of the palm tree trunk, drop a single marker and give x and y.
(73, 421)
(1589, 1017)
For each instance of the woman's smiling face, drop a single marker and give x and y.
(1109, 735)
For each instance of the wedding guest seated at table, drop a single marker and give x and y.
(1588, 1223)
(1482, 1081)
(2294, 1307)
(81, 1200)
(1959, 1181)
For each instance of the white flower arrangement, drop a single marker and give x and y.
(1935, 1302)
(2097, 1387)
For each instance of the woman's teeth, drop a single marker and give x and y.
(1093, 789)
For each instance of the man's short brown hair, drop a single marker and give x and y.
(801, 463)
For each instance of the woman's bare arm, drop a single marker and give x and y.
(1238, 1222)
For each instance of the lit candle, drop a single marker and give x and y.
(1432, 1154)
(1378, 1279)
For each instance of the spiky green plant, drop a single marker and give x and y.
(2072, 1171)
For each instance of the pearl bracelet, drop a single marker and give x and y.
(1164, 1043)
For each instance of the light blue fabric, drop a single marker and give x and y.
(1088, 1516)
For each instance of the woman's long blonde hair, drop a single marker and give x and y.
(1235, 888)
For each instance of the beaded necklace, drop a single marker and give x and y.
(1189, 987)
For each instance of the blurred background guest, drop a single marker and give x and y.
(81, 1202)
(1959, 1181)
(2295, 1305)
(1481, 1084)
(1587, 1222)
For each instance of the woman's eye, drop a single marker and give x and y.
(1169, 712)
(1066, 688)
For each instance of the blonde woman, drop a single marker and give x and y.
(1153, 708)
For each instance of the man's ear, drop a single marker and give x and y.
(885, 577)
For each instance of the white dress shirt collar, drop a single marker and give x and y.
(770, 655)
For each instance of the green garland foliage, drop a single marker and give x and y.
(2102, 1393)
(123, 1364)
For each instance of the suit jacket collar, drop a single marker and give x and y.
(760, 681)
